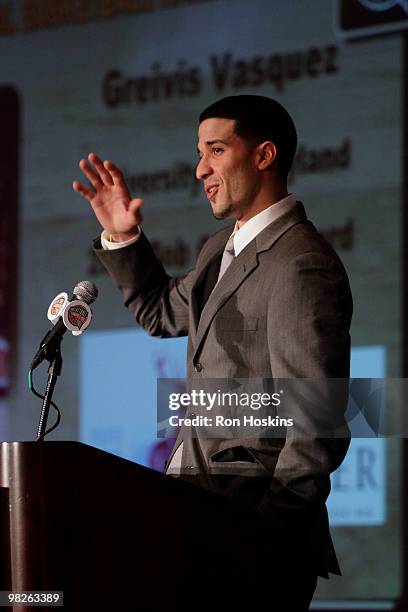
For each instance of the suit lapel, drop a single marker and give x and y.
(204, 284)
(240, 268)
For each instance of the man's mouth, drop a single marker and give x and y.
(211, 190)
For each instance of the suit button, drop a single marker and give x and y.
(198, 367)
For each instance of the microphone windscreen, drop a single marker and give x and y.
(86, 291)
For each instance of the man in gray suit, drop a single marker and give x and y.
(267, 299)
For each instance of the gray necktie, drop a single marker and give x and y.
(227, 257)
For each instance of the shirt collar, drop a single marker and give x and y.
(257, 223)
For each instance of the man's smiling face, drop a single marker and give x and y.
(227, 168)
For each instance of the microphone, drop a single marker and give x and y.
(73, 314)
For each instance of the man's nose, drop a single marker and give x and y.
(203, 169)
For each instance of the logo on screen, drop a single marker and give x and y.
(384, 5)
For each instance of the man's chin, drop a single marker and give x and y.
(222, 213)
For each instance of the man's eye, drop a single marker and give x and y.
(217, 150)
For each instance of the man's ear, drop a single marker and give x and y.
(266, 155)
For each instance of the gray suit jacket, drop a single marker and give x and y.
(282, 310)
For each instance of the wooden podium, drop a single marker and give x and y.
(113, 535)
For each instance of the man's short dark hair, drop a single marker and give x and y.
(259, 118)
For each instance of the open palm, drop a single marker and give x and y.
(118, 214)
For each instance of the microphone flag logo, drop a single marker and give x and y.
(57, 306)
(77, 316)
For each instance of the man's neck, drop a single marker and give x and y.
(266, 203)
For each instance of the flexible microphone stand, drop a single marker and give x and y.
(53, 354)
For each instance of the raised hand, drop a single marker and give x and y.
(118, 214)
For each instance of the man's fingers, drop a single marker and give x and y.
(90, 174)
(84, 191)
(103, 173)
(134, 207)
(116, 174)
(135, 204)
